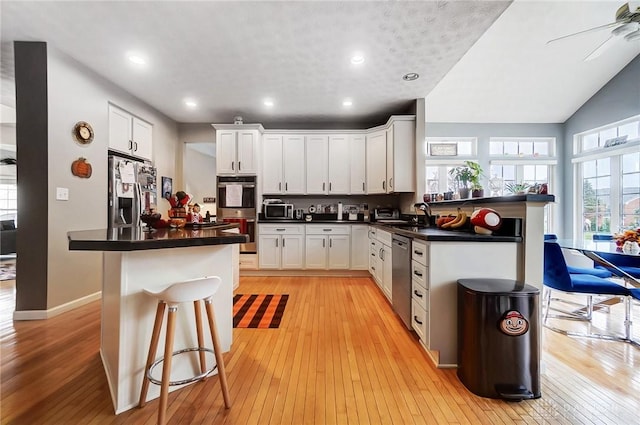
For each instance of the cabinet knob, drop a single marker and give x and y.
(417, 294)
(232, 165)
(239, 165)
(416, 320)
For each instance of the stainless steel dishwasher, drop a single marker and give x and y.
(401, 278)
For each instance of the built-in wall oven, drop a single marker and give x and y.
(237, 204)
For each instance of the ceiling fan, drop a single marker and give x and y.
(626, 26)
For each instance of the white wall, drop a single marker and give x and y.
(200, 177)
(77, 94)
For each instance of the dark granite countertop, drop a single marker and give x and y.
(129, 238)
(529, 197)
(318, 221)
(433, 234)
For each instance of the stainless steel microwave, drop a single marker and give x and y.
(278, 211)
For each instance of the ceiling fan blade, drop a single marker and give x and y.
(601, 48)
(594, 29)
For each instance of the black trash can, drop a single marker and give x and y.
(498, 343)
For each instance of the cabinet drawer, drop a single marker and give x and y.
(372, 232)
(419, 274)
(384, 237)
(420, 252)
(319, 229)
(420, 295)
(420, 322)
(248, 261)
(275, 229)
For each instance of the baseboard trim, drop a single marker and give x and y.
(52, 312)
(300, 272)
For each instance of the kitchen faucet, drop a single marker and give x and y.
(426, 210)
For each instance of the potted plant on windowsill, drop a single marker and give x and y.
(462, 176)
(477, 191)
(467, 177)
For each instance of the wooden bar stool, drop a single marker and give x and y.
(196, 291)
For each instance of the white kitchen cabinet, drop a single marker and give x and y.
(377, 162)
(327, 247)
(317, 164)
(236, 151)
(339, 252)
(339, 163)
(281, 246)
(400, 156)
(293, 161)
(385, 257)
(272, 168)
(357, 164)
(359, 247)
(384, 261)
(129, 134)
(373, 253)
(292, 251)
(269, 251)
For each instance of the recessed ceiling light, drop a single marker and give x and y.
(190, 103)
(136, 58)
(347, 103)
(410, 76)
(357, 59)
(268, 102)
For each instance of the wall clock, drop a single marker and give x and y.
(83, 132)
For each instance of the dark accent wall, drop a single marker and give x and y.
(32, 174)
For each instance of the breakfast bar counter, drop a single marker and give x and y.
(134, 259)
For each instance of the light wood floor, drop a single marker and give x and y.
(340, 356)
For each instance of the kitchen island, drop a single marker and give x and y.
(134, 259)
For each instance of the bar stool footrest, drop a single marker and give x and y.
(182, 381)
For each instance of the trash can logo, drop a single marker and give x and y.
(514, 324)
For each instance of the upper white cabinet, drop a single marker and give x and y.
(130, 134)
(283, 164)
(293, 164)
(272, 181)
(339, 160)
(380, 160)
(237, 149)
(357, 164)
(401, 165)
(377, 162)
(317, 164)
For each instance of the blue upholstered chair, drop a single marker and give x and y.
(557, 277)
(626, 263)
(595, 271)
(602, 237)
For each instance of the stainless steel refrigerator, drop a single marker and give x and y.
(132, 190)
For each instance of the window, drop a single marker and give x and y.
(626, 130)
(8, 202)
(607, 162)
(442, 155)
(520, 160)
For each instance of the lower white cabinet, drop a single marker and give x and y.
(327, 247)
(359, 247)
(385, 258)
(281, 246)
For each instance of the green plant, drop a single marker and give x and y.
(467, 175)
(516, 187)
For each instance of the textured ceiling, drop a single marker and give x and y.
(229, 56)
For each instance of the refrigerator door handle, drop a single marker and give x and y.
(135, 220)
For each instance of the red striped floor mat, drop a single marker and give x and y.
(258, 311)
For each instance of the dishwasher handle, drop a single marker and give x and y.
(400, 244)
